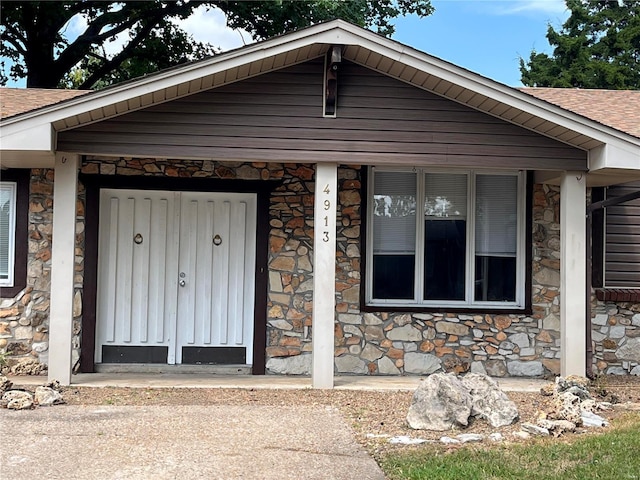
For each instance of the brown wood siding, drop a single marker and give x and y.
(278, 117)
(622, 247)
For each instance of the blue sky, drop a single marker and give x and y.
(484, 36)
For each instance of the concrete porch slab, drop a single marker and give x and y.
(177, 380)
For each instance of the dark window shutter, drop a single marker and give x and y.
(622, 239)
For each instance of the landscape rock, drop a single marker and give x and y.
(534, 429)
(566, 406)
(488, 401)
(17, 400)
(573, 406)
(5, 384)
(449, 441)
(581, 392)
(548, 390)
(496, 437)
(405, 440)
(55, 385)
(470, 437)
(28, 367)
(46, 396)
(570, 381)
(557, 427)
(590, 419)
(593, 406)
(441, 402)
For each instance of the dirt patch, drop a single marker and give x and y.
(374, 416)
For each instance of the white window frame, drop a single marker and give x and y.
(418, 300)
(12, 187)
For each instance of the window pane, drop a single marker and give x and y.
(394, 235)
(7, 223)
(445, 236)
(496, 237)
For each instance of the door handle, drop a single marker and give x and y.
(182, 283)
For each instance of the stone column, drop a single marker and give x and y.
(324, 274)
(573, 271)
(65, 190)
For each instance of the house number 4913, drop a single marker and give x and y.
(327, 206)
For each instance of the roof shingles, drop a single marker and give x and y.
(619, 109)
(14, 101)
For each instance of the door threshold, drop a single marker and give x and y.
(177, 369)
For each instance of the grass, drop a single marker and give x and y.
(611, 455)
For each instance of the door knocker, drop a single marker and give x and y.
(217, 240)
(137, 239)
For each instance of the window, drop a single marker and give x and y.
(14, 203)
(7, 232)
(446, 238)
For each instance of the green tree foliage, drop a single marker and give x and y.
(597, 47)
(34, 42)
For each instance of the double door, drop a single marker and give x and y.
(176, 277)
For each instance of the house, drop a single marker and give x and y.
(325, 202)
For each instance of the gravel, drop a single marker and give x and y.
(375, 416)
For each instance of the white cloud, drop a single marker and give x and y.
(210, 26)
(513, 7)
(205, 25)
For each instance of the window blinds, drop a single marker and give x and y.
(496, 215)
(7, 223)
(394, 213)
(445, 195)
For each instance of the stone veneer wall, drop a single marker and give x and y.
(375, 343)
(388, 343)
(616, 338)
(24, 319)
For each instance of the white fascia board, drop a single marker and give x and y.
(614, 157)
(35, 137)
(26, 159)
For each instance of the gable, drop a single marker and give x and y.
(277, 116)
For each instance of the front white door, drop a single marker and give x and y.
(175, 277)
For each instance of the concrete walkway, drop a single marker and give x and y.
(181, 442)
(182, 380)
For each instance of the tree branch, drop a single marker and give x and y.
(20, 47)
(128, 17)
(116, 61)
